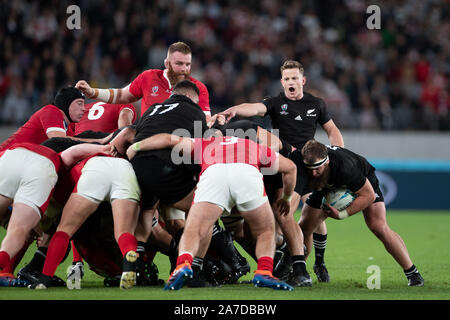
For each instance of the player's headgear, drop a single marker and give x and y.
(64, 98)
(315, 154)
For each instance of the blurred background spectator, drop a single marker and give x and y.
(395, 78)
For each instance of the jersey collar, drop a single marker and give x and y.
(167, 78)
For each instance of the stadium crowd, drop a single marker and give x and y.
(395, 78)
(346, 84)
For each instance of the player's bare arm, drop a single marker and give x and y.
(159, 141)
(245, 110)
(125, 118)
(334, 134)
(76, 153)
(122, 95)
(288, 170)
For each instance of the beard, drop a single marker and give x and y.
(175, 77)
(319, 183)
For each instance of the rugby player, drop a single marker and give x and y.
(154, 85)
(229, 177)
(97, 179)
(334, 167)
(296, 114)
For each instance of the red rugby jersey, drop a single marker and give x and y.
(47, 119)
(231, 150)
(153, 86)
(102, 116)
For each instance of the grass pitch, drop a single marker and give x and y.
(351, 250)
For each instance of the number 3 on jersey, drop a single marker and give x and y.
(229, 140)
(96, 111)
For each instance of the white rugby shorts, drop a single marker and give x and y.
(108, 179)
(27, 177)
(231, 184)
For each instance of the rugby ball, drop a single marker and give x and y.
(339, 198)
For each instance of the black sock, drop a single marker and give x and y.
(320, 244)
(141, 253)
(178, 235)
(298, 264)
(281, 251)
(283, 247)
(249, 246)
(197, 264)
(222, 244)
(409, 272)
(38, 260)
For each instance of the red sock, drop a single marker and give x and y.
(55, 253)
(127, 242)
(265, 263)
(4, 259)
(75, 254)
(185, 257)
(9, 268)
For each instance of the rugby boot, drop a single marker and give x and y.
(179, 276)
(31, 275)
(283, 267)
(128, 279)
(28, 273)
(263, 278)
(148, 275)
(198, 279)
(300, 279)
(321, 273)
(415, 280)
(43, 283)
(9, 280)
(112, 281)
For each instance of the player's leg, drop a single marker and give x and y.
(197, 231)
(294, 239)
(23, 219)
(77, 209)
(174, 218)
(375, 217)
(319, 241)
(262, 225)
(125, 216)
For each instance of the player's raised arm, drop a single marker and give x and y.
(244, 110)
(122, 95)
(334, 134)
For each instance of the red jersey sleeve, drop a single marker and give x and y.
(203, 97)
(136, 86)
(52, 119)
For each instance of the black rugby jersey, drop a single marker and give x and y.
(296, 120)
(177, 112)
(347, 169)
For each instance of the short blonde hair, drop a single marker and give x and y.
(292, 64)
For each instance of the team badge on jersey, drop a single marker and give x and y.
(283, 109)
(310, 112)
(155, 90)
